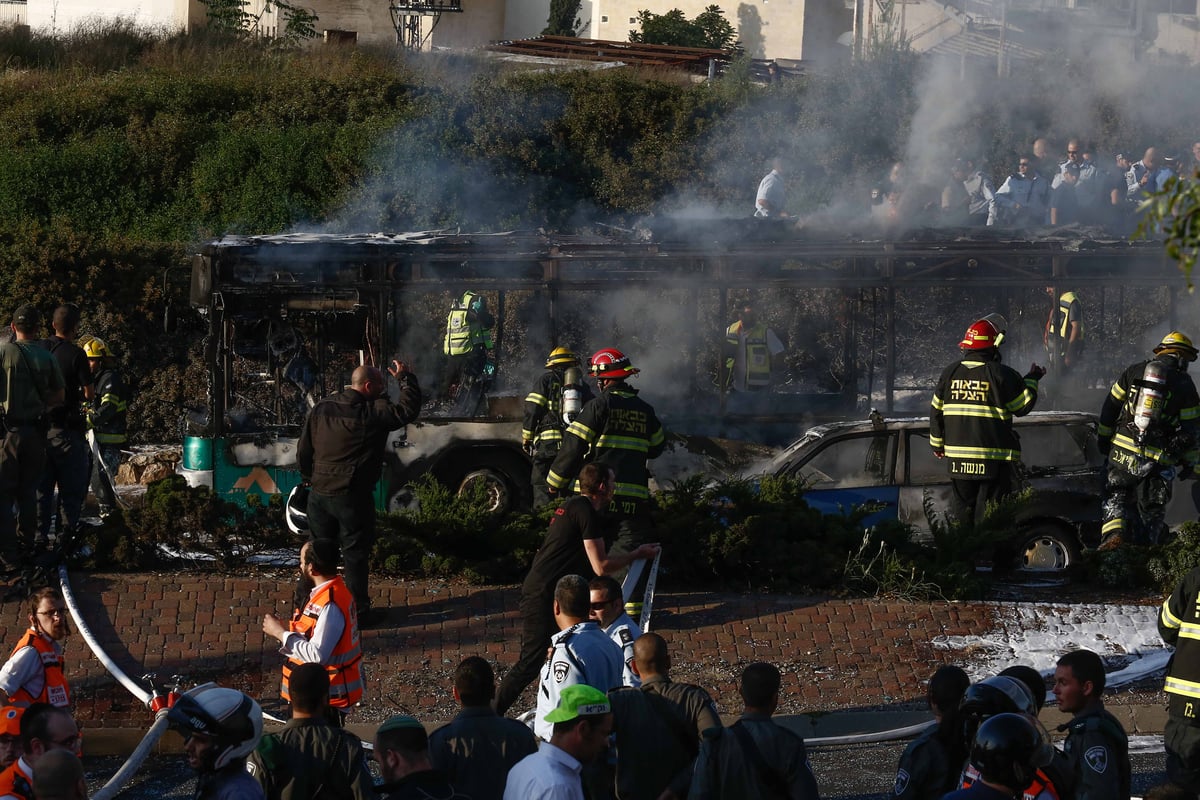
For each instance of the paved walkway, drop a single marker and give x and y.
(836, 654)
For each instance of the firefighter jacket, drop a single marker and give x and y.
(1171, 437)
(1179, 626)
(110, 407)
(578, 654)
(343, 665)
(619, 429)
(55, 690)
(342, 445)
(1067, 311)
(972, 412)
(311, 760)
(467, 326)
(1096, 754)
(763, 760)
(543, 424)
(17, 780)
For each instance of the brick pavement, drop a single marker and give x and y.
(835, 653)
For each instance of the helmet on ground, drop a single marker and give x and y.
(233, 720)
(295, 511)
(1176, 343)
(561, 357)
(610, 363)
(1000, 694)
(1008, 749)
(980, 336)
(94, 347)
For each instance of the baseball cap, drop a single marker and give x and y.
(579, 700)
(400, 722)
(27, 314)
(10, 720)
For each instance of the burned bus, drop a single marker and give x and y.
(867, 323)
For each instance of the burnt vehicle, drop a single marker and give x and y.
(888, 463)
(288, 317)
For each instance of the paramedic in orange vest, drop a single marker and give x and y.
(325, 631)
(43, 728)
(34, 672)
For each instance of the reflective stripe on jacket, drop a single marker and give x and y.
(345, 677)
(55, 690)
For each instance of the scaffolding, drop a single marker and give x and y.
(408, 18)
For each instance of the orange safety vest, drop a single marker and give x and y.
(55, 691)
(1041, 786)
(14, 781)
(345, 677)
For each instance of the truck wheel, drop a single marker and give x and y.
(499, 495)
(1048, 548)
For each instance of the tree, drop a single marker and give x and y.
(709, 29)
(1175, 213)
(562, 21)
(232, 17)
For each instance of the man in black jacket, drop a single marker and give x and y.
(341, 454)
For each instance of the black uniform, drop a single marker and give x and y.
(659, 727)
(543, 427)
(621, 430)
(68, 459)
(425, 785)
(1139, 464)
(341, 452)
(311, 760)
(772, 764)
(562, 553)
(1097, 756)
(925, 771)
(971, 422)
(1181, 736)
(477, 749)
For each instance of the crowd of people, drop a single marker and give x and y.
(53, 391)
(1046, 186)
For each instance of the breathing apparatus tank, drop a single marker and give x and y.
(572, 394)
(1151, 397)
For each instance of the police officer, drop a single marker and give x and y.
(1181, 735)
(68, 461)
(341, 454)
(929, 765)
(608, 609)
(32, 386)
(754, 757)
(1148, 427)
(551, 405)
(1096, 749)
(580, 653)
(107, 416)
(970, 422)
(622, 430)
(468, 345)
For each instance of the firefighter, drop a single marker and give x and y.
(1063, 337)
(468, 345)
(622, 430)
(1181, 734)
(551, 405)
(106, 417)
(752, 353)
(970, 422)
(1148, 428)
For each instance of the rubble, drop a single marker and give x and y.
(148, 465)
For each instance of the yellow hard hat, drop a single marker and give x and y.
(1177, 343)
(94, 347)
(561, 357)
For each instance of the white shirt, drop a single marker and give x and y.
(25, 669)
(325, 634)
(770, 188)
(548, 774)
(624, 632)
(581, 654)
